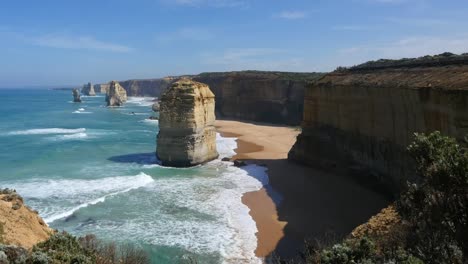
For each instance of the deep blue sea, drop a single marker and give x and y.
(87, 168)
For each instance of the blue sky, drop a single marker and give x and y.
(56, 42)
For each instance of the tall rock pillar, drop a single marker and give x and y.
(187, 136)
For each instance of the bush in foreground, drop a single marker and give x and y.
(63, 248)
(433, 211)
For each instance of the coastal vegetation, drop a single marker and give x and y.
(63, 248)
(431, 216)
(290, 76)
(442, 59)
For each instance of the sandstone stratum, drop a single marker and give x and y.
(362, 119)
(19, 225)
(187, 136)
(264, 96)
(116, 94)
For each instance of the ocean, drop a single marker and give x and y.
(90, 169)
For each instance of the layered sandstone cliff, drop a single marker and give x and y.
(116, 94)
(362, 119)
(148, 87)
(19, 225)
(275, 97)
(187, 135)
(88, 89)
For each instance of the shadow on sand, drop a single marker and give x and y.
(316, 204)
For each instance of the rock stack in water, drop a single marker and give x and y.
(116, 94)
(76, 96)
(187, 135)
(88, 89)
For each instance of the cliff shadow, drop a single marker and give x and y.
(138, 158)
(317, 205)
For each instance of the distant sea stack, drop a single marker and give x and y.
(116, 94)
(76, 96)
(101, 88)
(187, 136)
(88, 89)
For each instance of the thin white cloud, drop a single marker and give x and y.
(189, 33)
(292, 15)
(78, 42)
(424, 22)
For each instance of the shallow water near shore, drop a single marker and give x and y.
(91, 169)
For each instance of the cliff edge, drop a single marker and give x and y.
(19, 225)
(362, 119)
(187, 135)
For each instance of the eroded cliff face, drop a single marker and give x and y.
(362, 120)
(273, 97)
(150, 87)
(19, 225)
(116, 94)
(187, 135)
(88, 89)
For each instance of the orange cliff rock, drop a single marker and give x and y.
(20, 225)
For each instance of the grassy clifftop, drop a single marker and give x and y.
(292, 76)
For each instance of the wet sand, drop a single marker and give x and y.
(300, 202)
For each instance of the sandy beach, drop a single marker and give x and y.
(300, 202)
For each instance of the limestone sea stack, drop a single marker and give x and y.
(187, 136)
(88, 89)
(76, 96)
(116, 94)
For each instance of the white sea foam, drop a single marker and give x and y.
(79, 193)
(76, 136)
(45, 131)
(81, 109)
(151, 121)
(143, 101)
(225, 146)
(204, 215)
(82, 112)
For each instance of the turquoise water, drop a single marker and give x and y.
(91, 169)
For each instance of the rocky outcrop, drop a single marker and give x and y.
(88, 89)
(19, 225)
(187, 135)
(116, 94)
(156, 107)
(76, 96)
(361, 120)
(274, 97)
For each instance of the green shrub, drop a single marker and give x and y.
(436, 207)
(64, 248)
